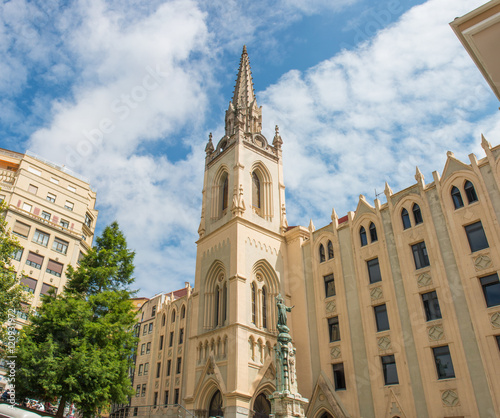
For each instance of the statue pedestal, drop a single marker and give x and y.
(287, 405)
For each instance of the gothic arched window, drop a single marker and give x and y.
(362, 236)
(217, 296)
(261, 406)
(406, 219)
(173, 316)
(470, 192)
(457, 198)
(183, 312)
(215, 408)
(330, 250)
(254, 302)
(224, 303)
(225, 192)
(417, 214)
(163, 319)
(264, 307)
(255, 190)
(321, 253)
(373, 232)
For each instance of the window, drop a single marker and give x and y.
(181, 335)
(254, 302)
(34, 171)
(321, 253)
(390, 370)
(88, 220)
(34, 260)
(476, 236)
(146, 368)
(173, 316)
(169, 365)
(491, 289)
(225, 192)
(444, 365)
(72, 188)
(143, 392)
(330, 250)
(141, 368)
(150, 328)
(30, 283)
(264, 307)
(46, 215)
(179, 363)
(136, 409)
(155, 400)
(60, 246)
(32, 189)
(381, 317)
(329, 285)
(53, 180)
(338, 376)
(171, 339)
(166, 397)
(148, 348)
(417, 214)
(176, 396)
(21, 229)
(153, 311)
(143, 348)
(158, 369)
(217, 310)
(224, 305)
(255, 190)
(48, 290)
(457, 198)
(138, 391)
(69, 205)
(27, 207)
(362, 236)
(145, 329)
(64, 223)
(334, 329)
(183, 312)
(163, 320)
(420, 255)
(373, 232)
(470, 192)
(374, 270)
(161, 343)
(497, 337)
(41, 238)
(431, 306)
(18, 254)
(51, 197)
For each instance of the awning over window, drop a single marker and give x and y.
(46, 288)
(55, 266)
(21, 229)
(28, 281)
(35, 258)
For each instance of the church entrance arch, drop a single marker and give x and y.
(261, 406)
(215, 407)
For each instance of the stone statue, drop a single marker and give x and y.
(282, 310)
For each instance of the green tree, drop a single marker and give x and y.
(79, 346)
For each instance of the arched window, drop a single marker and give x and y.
(362, 236)
(224, 303)
(254, 303)
(373, 233)
(417, 215)
(217, 296)
(225, 192)
(173, 316)
(215, 408)
(264, 307)
(183, 311)
(261, 406)
(406, 219)
(163, 320)
(255, 190)
(321, 253)
(457, 198)
(330, 250)
(470, 192)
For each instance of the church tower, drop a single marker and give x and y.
(240, 265)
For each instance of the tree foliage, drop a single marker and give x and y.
(79, 347)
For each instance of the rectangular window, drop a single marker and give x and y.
(30, 283)
(41, 238)
(171, 340)
(55, 268)
(34, 260)
(497, 337)
(329, 285)
(158, 369)
(51, 197)
(64, 224)
(60, 246)
(21, 229)
(176, 398)
(145, 329)
(148, 348)
(143, 348)
(138, 390)
(32, 189)
(491, 289)
(141, 368)
(153, 311)
(69, 205)
(161, 342)
(169, 365)
(34, 171)
(181, 335)
(476, 236)
(143, 392)
(431, 306)
(334, 329)
(381, 317)
(47, 289)
(53, 180)
(72, 188)
(179, 364)
(136, 409)
(420, 255)
(390, 370)
(146, 369)
(18, 254)
(88, 220)
(46, 215)
(166, 397)
(374, 270)
(338, 376)
(27, 207)
(444, 365)
(155, 399)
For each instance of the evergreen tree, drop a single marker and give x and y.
(79, 346)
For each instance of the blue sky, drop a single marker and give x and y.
(125, 93)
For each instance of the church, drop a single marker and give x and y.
(396, 306)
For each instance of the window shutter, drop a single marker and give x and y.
(28, 281)
(21, 229)
(35, 258)
(46, 288)
(54, 266)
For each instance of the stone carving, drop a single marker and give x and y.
(177, 381)
(376, 293)
(331, 306)
(424, 279)
(335, 352)
(450, 397)
(169, 352)
(384, 343)
(495, 320)
(435, 332)
(482, 261)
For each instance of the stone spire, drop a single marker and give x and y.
(244, 94)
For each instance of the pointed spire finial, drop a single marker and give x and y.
(419, 176)
(244, 49)
(243, 90)
(277, 141)
(210, 146)
(484, 143)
